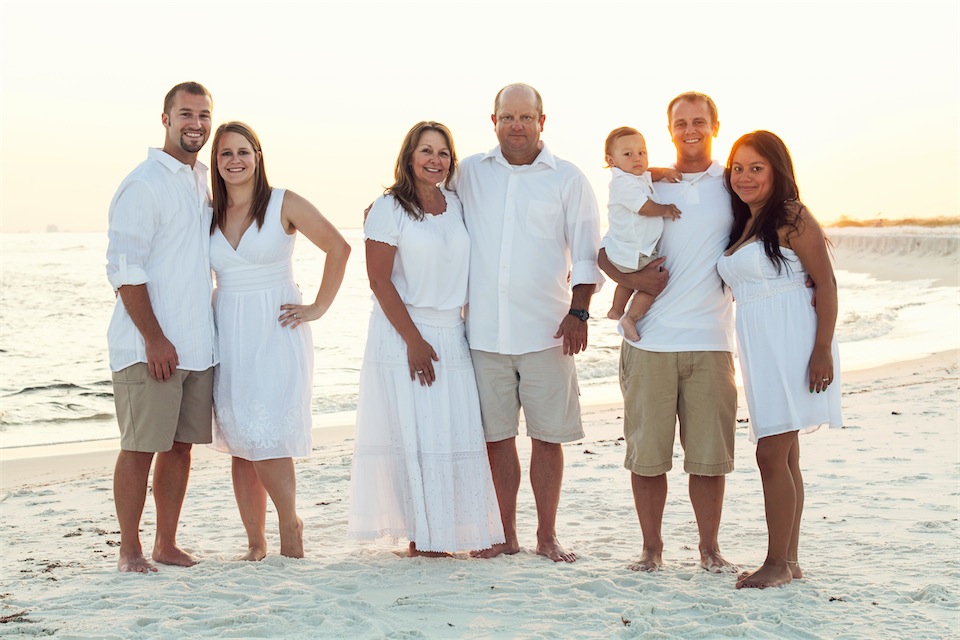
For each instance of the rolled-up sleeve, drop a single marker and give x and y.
(583, 233)
(134, 219)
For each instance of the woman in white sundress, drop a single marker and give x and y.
(262, 387)
(420, 468)
(787, 348)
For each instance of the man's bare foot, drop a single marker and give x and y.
(629, 326)
(552, 549)
(291, 540)
(413, 552)
(649, 561)
(502, 548)
(773, 573)
(615, 314)
(174, 555)
(795, 569)
(255, 553)
(712, 561)
(134, 563)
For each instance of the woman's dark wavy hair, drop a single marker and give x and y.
(261, 187)
(403, 188)
(781, 209)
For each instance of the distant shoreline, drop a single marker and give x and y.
(841, 222)
(940, 221)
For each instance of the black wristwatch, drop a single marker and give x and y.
(582, 314)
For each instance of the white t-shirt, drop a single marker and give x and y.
(534, 234)
(433, 254)
(694, 312)
(629, 234)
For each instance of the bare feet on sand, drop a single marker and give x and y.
(629, 326)
(255, 553)
(551, 548)
(712, 561)
(291, 540)
(496, 550)
(134, 563)
(773, 573)
(413, 552)
(795, 569)
(650, 560)
(173, 555)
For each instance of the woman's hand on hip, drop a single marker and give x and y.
(292, 315)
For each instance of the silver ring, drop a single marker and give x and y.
(824, 379)
(419, 370)
(297, 316)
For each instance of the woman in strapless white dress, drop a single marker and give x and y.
(786, 346)
(262, 386)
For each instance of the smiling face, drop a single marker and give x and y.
(692, 130)
(237, 159)
(751, 177)
(188, 126)
(518, 123)
(430, 160)
(629, 154)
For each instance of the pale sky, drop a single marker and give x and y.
(865, 94)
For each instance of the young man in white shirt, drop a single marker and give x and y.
(161, 335)
(682, 366)
(534, 235)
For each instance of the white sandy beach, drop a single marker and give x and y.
(880, 542)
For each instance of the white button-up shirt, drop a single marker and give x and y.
(629, 234)
(534, 234)
(159, 235)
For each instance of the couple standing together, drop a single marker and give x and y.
(176, 357)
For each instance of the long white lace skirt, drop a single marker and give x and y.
(420, 468)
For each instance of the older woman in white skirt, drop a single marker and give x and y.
(420, 468)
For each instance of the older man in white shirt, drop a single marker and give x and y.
(161, 335)
(534, 234)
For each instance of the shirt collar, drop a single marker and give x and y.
(544, 157)
(714, 170)
(172, 163)
(620, 172)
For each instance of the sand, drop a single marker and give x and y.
(880, 543)
(879, 546)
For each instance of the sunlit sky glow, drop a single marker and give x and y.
(866, 95)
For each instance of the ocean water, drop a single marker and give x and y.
(55, 304)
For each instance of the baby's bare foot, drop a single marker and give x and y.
(629, 326)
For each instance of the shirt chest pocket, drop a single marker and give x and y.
(545, 220)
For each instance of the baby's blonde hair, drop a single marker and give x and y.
(616, 134)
